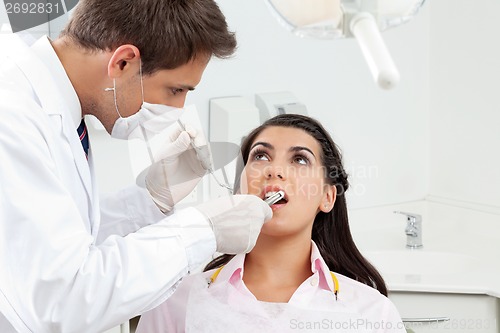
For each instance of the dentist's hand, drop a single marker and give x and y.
(177, 170)
(236, 221)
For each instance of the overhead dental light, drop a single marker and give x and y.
(361, 19)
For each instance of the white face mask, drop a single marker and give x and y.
(151, 117)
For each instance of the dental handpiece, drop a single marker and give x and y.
(275, 198)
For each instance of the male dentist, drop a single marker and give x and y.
(70, 263)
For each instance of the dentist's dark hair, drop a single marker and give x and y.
(168, 33)
(330, 231)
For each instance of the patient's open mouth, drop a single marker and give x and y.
(275, 197)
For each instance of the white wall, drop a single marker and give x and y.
(465, 106)
(3, 15)
(384, 134)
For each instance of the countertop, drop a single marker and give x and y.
(466, 241)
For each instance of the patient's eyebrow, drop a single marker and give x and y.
(261, 143)
(299, 148)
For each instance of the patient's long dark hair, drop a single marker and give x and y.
(330, 230)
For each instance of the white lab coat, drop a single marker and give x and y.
(54, 274)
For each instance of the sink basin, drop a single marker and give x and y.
(419, 262)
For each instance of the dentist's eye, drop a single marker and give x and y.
(176, 91)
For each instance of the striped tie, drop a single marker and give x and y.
(84, 138)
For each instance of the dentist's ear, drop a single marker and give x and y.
(329, 197)
(124, 59)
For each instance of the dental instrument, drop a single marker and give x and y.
(275, 198)
(204, 157)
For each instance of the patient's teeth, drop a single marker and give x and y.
(268, 194)
(277, 196)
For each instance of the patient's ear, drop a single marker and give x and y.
(329, 196)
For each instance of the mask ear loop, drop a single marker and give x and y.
(114, 96)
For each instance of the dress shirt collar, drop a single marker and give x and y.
(233, 270)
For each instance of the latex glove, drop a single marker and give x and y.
(177, 170)
(236, 221)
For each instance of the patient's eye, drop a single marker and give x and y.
(259, 155)
(301, 159)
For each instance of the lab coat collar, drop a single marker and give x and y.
(233, 270)
(44, 50)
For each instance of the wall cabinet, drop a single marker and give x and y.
(443, 312)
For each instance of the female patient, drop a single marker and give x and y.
(285, 283)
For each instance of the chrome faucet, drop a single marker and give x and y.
(413, 230)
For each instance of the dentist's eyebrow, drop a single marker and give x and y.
(183, 86)
(299, 148)
(260, 143)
